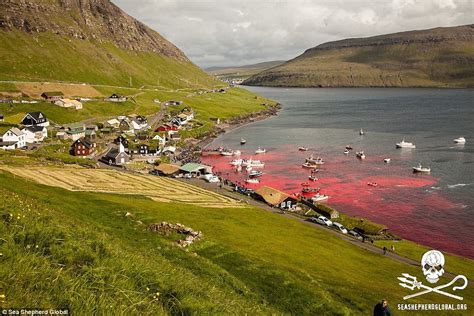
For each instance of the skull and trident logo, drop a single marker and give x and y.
(432, 264)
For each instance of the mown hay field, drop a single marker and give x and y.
(111, 181)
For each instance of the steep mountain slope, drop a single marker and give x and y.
(88, 41)
(440, 57)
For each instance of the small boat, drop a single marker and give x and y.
(236, 162)
(236, 153)
(260, 151)
(360, 155)
(387, 160)
(242, 141)
(302, 148)
(404, 144)
(421, 169)
(349, 147)
(227, 152)
(319, 197)
(313, 178)
(317, 161)
(252, 163)
(460, 140)
(252, 181)
(310, 165)
(361, 132)
(310, 190)
(314, 171)
(372, 184)
(255, 174)
(346, 152)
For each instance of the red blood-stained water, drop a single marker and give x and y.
(401, 200)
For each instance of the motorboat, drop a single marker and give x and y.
(252, 163)
(310, 165)
(460, 140)
(243, 141)
(227, 152)
(346, 152)
(360, 155)
(313, 178)
(319, 197)
(372, 184)
(236, 153)
(236, 162)
(361, 132)
(310, 190)
(317, 161)
(348, 147)
(252, 181)
(421, 169)
(302, 148)
(404, 144)
(255, 174)
(260, 151)
(387, 160)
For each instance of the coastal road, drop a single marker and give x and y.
(227, 191)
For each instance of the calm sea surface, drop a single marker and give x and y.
(436, 210)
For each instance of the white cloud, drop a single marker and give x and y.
(235, 32)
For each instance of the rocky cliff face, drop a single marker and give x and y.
(440, 57)
(90, 20)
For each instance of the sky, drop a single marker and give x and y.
(241, 32)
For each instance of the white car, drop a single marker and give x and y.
(323, 221)
(340, 227)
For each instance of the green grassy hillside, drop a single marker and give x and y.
(441, 57)
(50, 57)
(79, 250)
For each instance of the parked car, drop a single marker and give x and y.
(313, 219)
(154, 172)
(340, 227)
(187, 176)
(355, 234)
(323, 221)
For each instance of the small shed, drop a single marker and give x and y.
(52, 96)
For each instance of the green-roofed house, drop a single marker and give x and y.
(195, 169)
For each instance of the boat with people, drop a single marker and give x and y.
(319, 197)
(310, 190)
(252, 181)
(361, 132)
(236, 162)
(255, 174)
(349, 147)
(346, 152)
(312, 178)
(387, 160)
(360, 155)
(243, 141)
(310, 165)
(460, 140)
(260, 151)
(302, 148)
(372, 184)
(252, 163)
(421, 169)
(227, 152)
(317, 161)
(404, 144)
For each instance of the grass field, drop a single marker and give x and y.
(249, 262)
(111, 181)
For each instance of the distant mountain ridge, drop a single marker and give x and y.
(440, 57)
(98, 39)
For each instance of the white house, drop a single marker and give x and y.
(114, 123)
(35, 134)
(13, 139)
(139, 122)
(161, 140)
(69, 103)
(35, 118)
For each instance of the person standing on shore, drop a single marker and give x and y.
(384, 250)
(392, 248)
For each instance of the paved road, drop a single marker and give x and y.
(227, 191)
